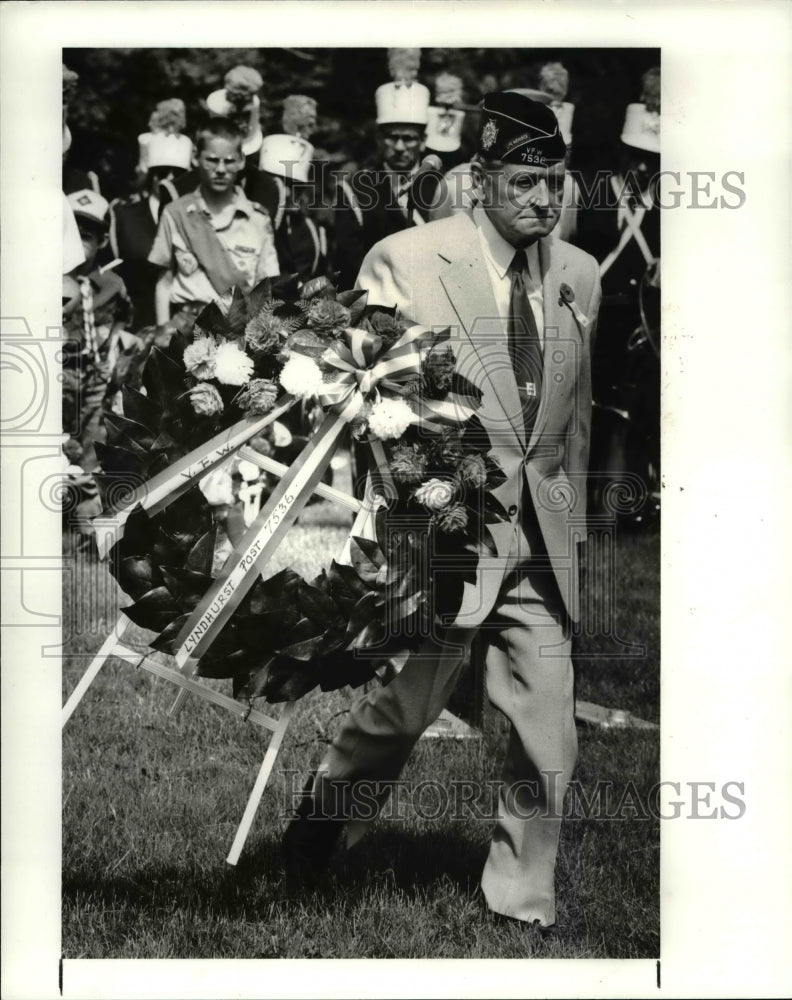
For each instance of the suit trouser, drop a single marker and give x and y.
(529, 679)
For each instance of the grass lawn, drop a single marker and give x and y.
(151, 805)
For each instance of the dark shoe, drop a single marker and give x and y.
(311, 837)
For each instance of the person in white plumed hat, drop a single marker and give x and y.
(284, 184)
(620, 227)
(395, 194)
(446, 118)
(239, 100)
(165, 156)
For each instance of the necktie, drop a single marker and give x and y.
(525, 346)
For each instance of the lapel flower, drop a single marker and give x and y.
(567, 298)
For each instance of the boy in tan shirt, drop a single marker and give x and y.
(213, 238)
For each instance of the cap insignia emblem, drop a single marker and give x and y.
(489, 134)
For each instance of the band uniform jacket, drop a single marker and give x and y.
(133, 229)
(437, 277)
(367, 211)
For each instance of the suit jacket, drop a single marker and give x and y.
(436, 276)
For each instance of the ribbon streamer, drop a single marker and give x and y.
(243, 567)
(161, 490)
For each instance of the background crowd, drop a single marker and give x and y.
(300, 161)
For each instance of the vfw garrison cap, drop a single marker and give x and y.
(516, 129)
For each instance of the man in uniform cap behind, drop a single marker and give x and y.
(522, 310)
(394, 195)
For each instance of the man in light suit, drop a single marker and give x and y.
(522, 326)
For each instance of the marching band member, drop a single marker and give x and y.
(396, 194)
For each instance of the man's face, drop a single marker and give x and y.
(402, 146)
(523, 203)
(219, 162)
(93, 239)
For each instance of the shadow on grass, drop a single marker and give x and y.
(413, 862)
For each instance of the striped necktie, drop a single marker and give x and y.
(525, 345)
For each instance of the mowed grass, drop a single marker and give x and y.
(151, 805)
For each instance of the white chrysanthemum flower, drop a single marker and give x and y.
(436, 494)
(199, 357)
(232, 365)
(302, 377)
(218, 487)
(390, 418)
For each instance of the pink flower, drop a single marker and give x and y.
(206, 400)
(436, 494)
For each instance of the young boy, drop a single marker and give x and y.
(99, 355)
(213, 238)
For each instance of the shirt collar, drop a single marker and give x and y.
(240, 203)
(499, 251)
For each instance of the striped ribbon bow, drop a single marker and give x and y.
(365, 370)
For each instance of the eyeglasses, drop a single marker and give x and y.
(408, 138)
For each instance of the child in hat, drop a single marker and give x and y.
(99, 354)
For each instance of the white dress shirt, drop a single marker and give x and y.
(498, 254)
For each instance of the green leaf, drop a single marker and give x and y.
(135, 576)
(366, 610)
(125, 433)
(168, 639)
(302, 641)
(346, 587)
(275, 593)
(139, 534)
(234, 664)
(186, 586)
(212, 320)
(317, 606)
(163, 442)
(288, 680)
(406, 607)
(253, 686)
(344, 669)
(355, 300)
(163, 378)
(201, 554)
(155, 610)
(237, 315)
(259, 297)
(121, 461)
(267, 630)
(308, 343)
(367, 564)
(139, 408)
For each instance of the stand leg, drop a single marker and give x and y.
(96, 665)
(258, 789)
(183, 695)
